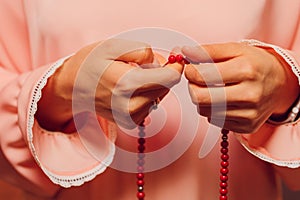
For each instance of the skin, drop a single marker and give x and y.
(256, 84)
(253, 90)
(118, 76)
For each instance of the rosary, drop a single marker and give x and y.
(141, 148)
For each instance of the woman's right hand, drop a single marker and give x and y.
(107, 78)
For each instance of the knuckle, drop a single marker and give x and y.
(252, 97)
(251, 115)
(193, 74)
(193, 94)
(145, 55)
(248, 71)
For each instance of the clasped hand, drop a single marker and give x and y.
(121, 79)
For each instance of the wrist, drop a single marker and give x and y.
(289, 95)
(288, 107)
(54, 109)
(290, 116)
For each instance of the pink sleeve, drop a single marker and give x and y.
(16, 162)
(67, 159)
(280, 144)
(30, 156)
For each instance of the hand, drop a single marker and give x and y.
(252, 82)
(106, 78)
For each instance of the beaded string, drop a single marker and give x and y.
(224, 165)
(140, 168)
(141, 149)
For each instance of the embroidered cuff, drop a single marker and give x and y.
(57, 153)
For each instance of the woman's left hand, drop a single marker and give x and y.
(251, 82)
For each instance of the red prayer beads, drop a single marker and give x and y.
(177, 58)
(224, 165)
(141, 148)
(140, 169)
(172, 59)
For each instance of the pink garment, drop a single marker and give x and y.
(35, 34)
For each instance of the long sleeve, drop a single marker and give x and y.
(280, 145)
(33, 158)
(16, 76)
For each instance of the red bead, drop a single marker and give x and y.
(224, 178)
(141, 148)
(224, 164)
(140, 195)
(224, 171)
(224, 144)
(224, 131)
(224, 137)
(140, 182)
(223, 197)
(179, 58)
(140, 175)
(172, 59)
(223, 191)
(141, 140)
(223, 184)
(224, 150)
(224, 157)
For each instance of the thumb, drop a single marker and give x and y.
(156, 78)
(132, 51)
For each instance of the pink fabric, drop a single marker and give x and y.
(34, 34)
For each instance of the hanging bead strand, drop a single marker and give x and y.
(140, 162)
(224, 165)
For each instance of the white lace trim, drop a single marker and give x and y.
(64, 181)
(282, 163)
(294, 66)
(77, 180)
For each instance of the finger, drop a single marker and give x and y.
(237, 125)
(231, 71)
(131, 112)
(157, 62)
(126, 51)
(130, 81)
(213, 52)
(129, 105)
(176, 50)
(231, 113)
(152, 79)
(138, 102)
(230, 95)
(143, 111)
